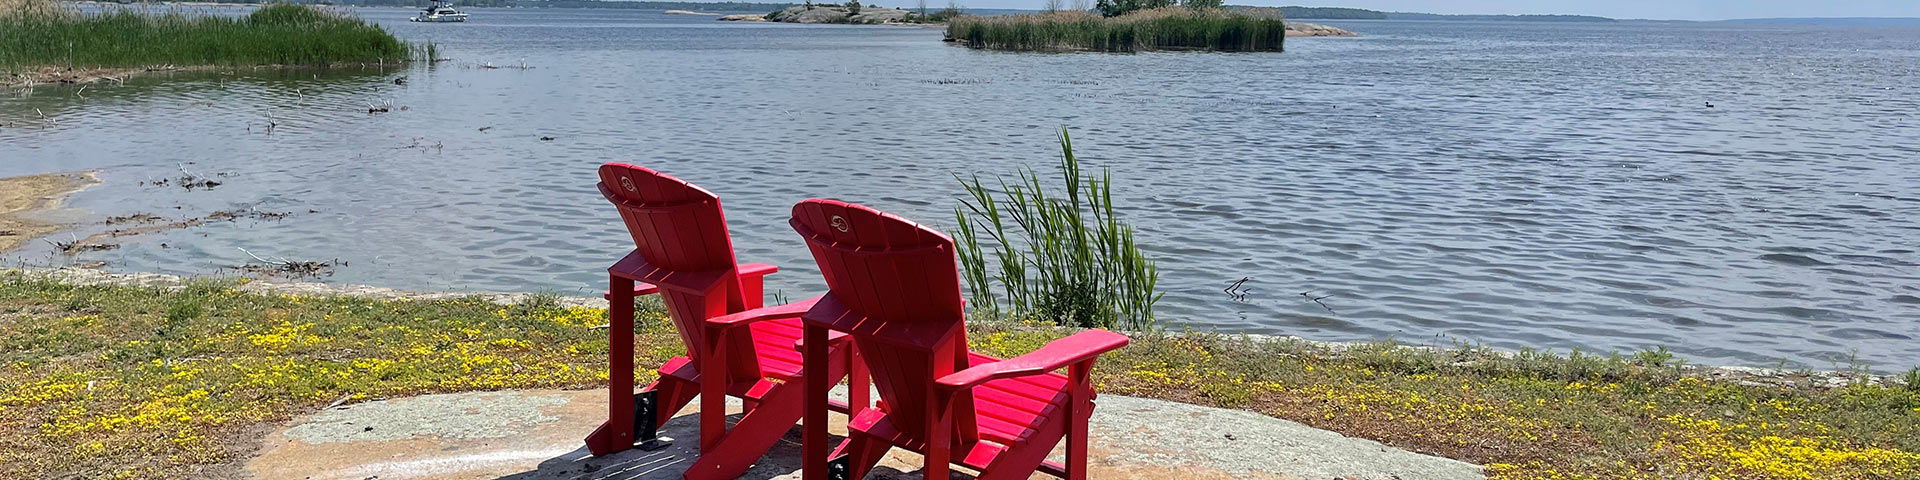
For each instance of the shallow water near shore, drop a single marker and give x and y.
(1537, 185)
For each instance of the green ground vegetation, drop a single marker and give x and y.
(1534, 415)
(111, 381)
(1166, 28)
(39, 33)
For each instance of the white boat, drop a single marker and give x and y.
(440, 13)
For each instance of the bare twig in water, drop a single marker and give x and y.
(1310, 297)
(190, 180)
(254, 212)
(269, 215)
(134, 218)
(1236, 291)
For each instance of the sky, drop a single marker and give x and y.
(1649, 9)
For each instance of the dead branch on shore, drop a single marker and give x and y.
(283, 267)
(75, 245)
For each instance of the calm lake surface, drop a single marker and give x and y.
(1519, 185)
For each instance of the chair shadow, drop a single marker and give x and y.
(782, 461)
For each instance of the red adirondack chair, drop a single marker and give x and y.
(735, 347)
(895, 290)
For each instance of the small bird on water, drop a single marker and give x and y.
(1709, 104)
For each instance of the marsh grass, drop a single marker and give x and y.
(1171, 28)
(38, 33)
(1063, 256)
(127, 382)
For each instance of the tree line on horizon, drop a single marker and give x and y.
(619, 4)
(1346, 13)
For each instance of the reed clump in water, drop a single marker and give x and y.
(1061, 256)
(40, 33)
(1168, 28)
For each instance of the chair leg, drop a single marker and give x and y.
(670, 395)
(759, 429)
(857, 381)
(713, 391)
(617, 433)
(939, 436)
(813, 458)
(1080, 406)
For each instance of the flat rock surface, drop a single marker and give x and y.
(537, 435)
(1302, 29)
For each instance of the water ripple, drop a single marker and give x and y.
(1553, 186)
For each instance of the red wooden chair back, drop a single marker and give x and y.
(899, 288)
(679, 228)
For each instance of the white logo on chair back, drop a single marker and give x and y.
(627, 183)
(840, 223)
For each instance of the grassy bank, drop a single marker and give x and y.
(38, 34)
(102, 381)
(1170, 28)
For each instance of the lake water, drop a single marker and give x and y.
(1538, 185)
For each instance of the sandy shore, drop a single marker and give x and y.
(21, 197)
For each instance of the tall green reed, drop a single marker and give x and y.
(1164, 28)
(1063, 256)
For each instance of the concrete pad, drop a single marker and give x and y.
(528, 435)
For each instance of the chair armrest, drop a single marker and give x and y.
(833, 336)
(757, 269)
(640, 289)
(790, 310)
(1076, 348)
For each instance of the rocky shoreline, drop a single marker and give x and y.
(827, 14)
(1302, 29)
(831, 14)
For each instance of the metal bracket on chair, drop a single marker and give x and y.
(840, 468)
(646, 417)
